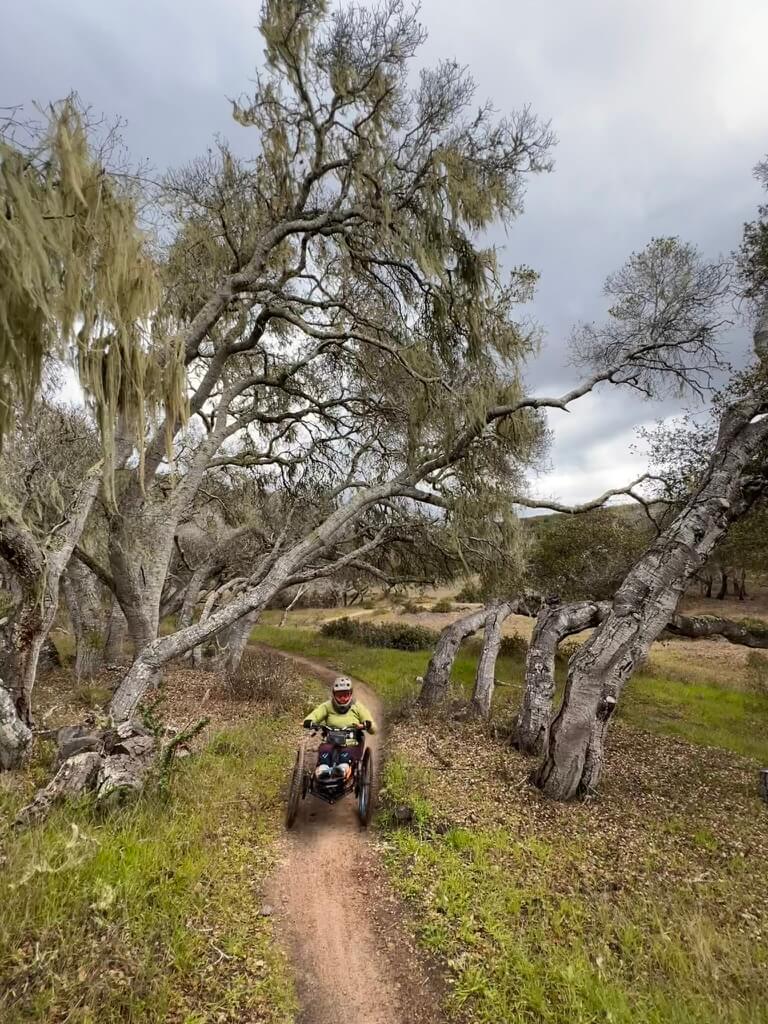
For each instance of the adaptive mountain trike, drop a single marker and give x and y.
(333, 786)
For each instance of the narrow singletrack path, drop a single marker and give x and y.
(338, 917)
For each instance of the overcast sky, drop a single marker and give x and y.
(660, 108)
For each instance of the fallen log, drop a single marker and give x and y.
(75, 776)
(699, 627)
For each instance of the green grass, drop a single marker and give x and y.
(150, 913)
(552, 924)
(392, 672)
(523, 950)
(702, 713)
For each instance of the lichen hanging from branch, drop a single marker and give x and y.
(79, 281)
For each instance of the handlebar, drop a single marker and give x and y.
(353, 730)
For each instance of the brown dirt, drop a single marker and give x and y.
(352, 953)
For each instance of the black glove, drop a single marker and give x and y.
(368, 724)
(308, 723)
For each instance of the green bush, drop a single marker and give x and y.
(442, 606)
(399, 635)
(412, 608)
(513, 646)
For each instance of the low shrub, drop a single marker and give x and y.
(514, 646)
(266, 677)
(442, 606)
(398, 635)
(412, 608)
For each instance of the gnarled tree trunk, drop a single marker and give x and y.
(434, 689)
(555, 621)
(38, 569)
(485, 677)
(142, 534)
(646, 601)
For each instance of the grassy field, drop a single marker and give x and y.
(727, 716)
(151, 913)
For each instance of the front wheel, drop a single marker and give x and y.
(295, 793)
(365, 789)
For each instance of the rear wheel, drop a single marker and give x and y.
(365, 788)
(296, 791)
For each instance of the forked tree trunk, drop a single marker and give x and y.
(142, 534)
(38, 569)
(485, 678)
(434, 689)
(646, 601)
(555, 621)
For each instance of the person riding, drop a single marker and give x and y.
(342, 711)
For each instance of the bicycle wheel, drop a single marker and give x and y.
(365, 789)
(295, 792)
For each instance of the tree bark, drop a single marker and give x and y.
(485, 677)
(239, 634)
(15, 736)
(39, 569)
(87, 616)
(723, 591)
(114, 650)
(434, 689)
(646, 602)
(142, 535)
(555, 621)
(75, 776)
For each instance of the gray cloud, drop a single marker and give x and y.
(661, 111)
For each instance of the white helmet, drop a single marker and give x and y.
(342, 693)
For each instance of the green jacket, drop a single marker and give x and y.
(357, 714)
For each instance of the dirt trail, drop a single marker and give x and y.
(339, 919)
